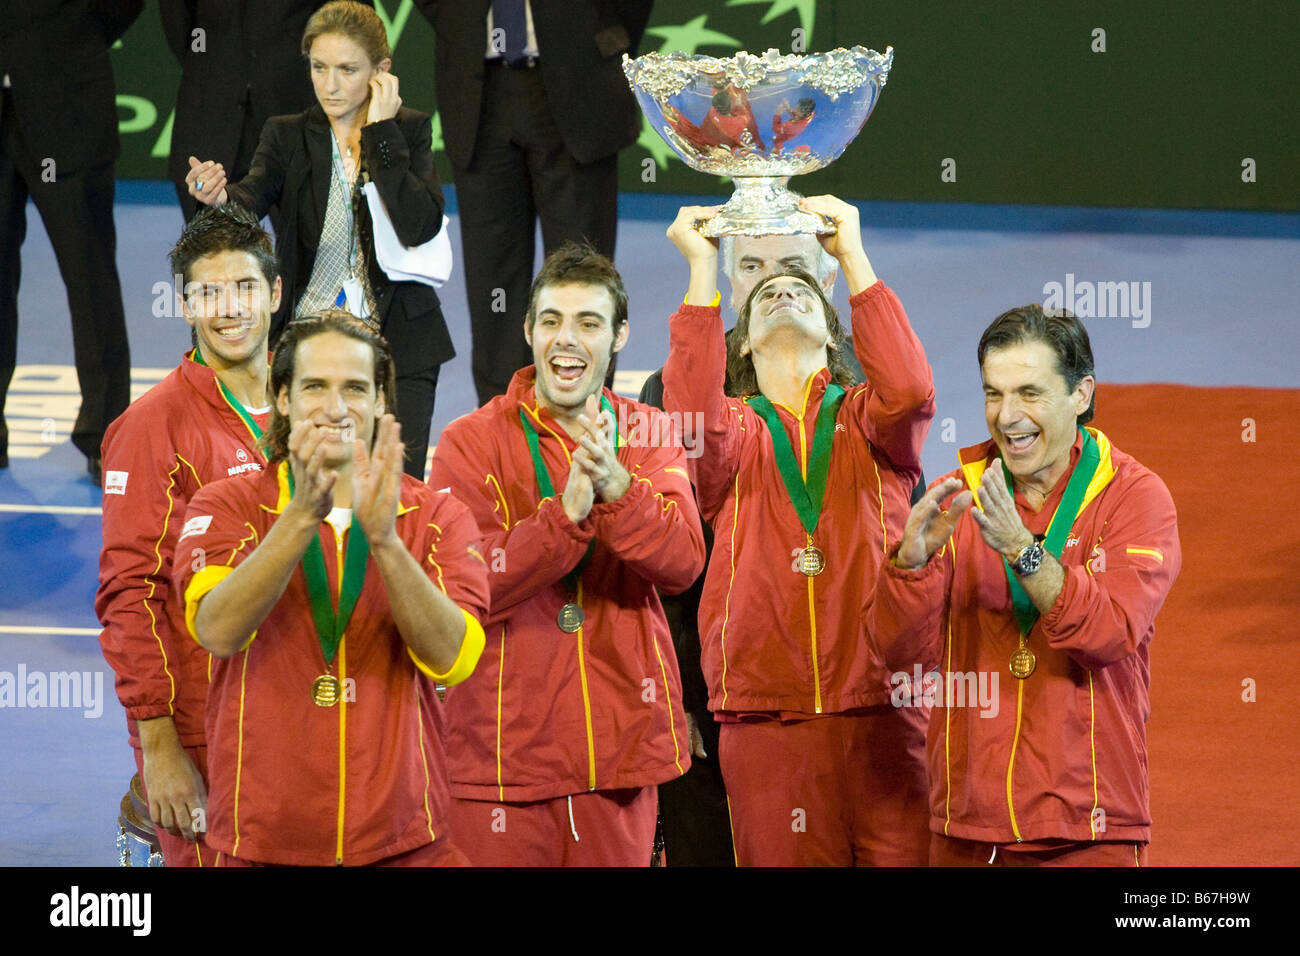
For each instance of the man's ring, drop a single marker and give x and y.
(198, 186)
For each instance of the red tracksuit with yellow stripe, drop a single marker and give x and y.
(1063, 755)
(772, 639)
(807, 727)
(549, 714)
(177, 437)
(296, 783)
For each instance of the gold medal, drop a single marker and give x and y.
(325, 690)
(570, 618)
(1023, 662)
(811, 561)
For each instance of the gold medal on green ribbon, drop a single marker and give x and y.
(325, 690)
(571, 616)
(329, 623)
(1023, 660)
(805, 494)
(812, 561)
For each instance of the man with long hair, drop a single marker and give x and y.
(806, 479)
(332, 591)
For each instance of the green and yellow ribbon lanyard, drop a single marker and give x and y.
(805, 495)
(571, 615)
(1023, 660)
(329, 624)
(243, 413)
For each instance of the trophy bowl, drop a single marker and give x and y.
(760, 120)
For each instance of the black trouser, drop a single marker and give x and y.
(77, 210)
(521, 173)
(415, 393)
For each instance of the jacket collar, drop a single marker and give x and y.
(813, 390)
(204, 381)
(522, 394)
(975, 459)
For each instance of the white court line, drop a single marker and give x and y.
(75, 631)
(53, 509)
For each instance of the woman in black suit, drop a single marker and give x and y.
(311, 167)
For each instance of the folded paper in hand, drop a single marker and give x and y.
(429, 262)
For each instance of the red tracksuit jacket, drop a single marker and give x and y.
(1064, 756)
(296, 783)
(772, 639)
(547, 713)
(179, 436)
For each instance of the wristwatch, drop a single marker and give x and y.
(1029, 560)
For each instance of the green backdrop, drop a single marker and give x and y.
(1154, 103)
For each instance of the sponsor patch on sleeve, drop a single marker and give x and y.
(196, 525)
(115, 482)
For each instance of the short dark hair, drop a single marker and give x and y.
(578, 263)
(284, 364)
(742, 379)
(225, 228)
(1061, 331)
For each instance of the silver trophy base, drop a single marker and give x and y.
(764, 206)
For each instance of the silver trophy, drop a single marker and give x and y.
(760, 120)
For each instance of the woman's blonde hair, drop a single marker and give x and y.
(357, 22)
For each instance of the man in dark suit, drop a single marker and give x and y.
(243, 68)
(534, 109)
(58, 143)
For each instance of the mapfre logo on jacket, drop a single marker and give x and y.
(245, 464)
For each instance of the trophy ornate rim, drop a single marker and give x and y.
(832, 72)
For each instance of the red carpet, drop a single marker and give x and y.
(1225, 773)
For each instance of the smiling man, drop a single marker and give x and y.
(199, 424)
(332, 592)
(575, 712)
(806, 477)
(1053, 581)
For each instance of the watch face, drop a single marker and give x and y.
(1029, 560)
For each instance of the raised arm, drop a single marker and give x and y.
(399, 157)
(898, 404)
(262, 187)
(695, 374)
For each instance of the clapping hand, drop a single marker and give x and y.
(313, 480)
(929, 526)
(377, 481)
(596, 454)
(1000, 524)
